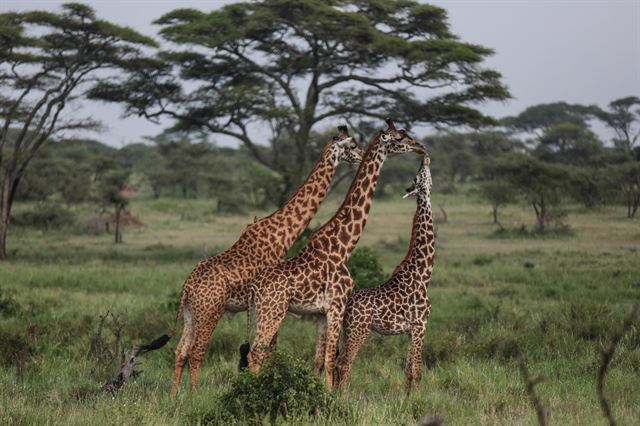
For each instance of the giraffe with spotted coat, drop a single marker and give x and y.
(400, 305)
(217, 283)
(317, 281)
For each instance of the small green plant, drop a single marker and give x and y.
(525, 233)
(285, 388)
(365, 268)
(482, 260)
(8, 306)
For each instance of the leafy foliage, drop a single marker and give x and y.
(291, 64)
(624, 120)
(365, 268)
(285, 388)
(541, 184)
(46, 216)
(47, 60)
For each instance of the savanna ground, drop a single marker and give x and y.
(557, 300)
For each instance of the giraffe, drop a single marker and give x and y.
(317, 280)
(215, 284)
(400, 305)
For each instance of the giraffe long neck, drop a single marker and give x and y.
(420, 257)
(294, 215)
(340, 235)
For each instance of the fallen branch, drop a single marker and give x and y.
(127, 368)
(531, 391)
(607, 356)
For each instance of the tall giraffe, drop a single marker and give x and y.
(317, 280)
(400, 305)
(216, 283)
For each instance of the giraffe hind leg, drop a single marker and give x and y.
(183, 348)
(321, 341)
(204, 326)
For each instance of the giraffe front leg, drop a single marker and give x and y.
(356, 333)
(321, 343)
(414, 359)
(334, 326)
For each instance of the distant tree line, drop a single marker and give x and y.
(242, 66)
(546, 155)
(228, 71)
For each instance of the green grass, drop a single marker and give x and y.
(556, 301)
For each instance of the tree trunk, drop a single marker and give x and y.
(495, 215)
(632, 208)
(540, 212)
(6, 201)
(118, 236)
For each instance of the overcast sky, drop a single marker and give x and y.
(584, 52)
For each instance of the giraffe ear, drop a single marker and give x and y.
(412, 190)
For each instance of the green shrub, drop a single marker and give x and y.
(365, 268)
(12, 343)
(285, 388)
(46, 216)
(8, 306)
(482, 260)
(525, 233)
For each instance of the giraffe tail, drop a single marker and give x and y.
(245, 347)
(164, 339)
(183, 301)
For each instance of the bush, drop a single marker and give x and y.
(285, 387)
(8, 306)
(365, 268)
(525, 233)
(46, 216)
(12, 344)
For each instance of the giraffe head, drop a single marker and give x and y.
(422, 183)
(397, 141)
(346, 147)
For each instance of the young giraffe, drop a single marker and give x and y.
(217, 283)
(401, 305)
(317, 280)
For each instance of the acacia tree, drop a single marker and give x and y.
(498, 193)
(541, 184)
(624, 120)
(287, 65)
(539, 118)
(47, 60)
(626, 180)
(109, 194)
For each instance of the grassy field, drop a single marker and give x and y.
(555, 300)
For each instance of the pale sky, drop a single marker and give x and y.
(577, 51)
